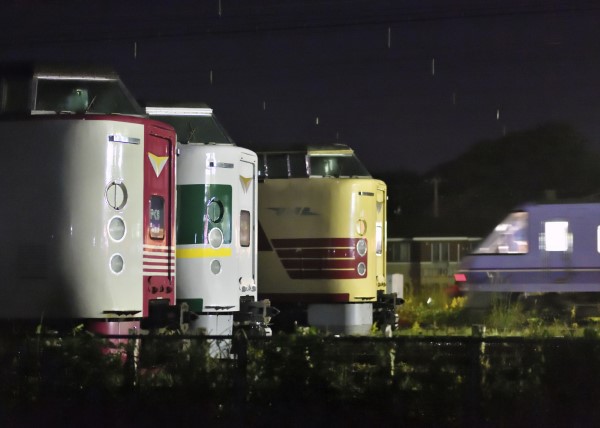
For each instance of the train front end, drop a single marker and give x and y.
(322, 238)
(216, 224)
(91, 226)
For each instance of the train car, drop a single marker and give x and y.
(322, 240)
(87, 225)
(216, 223)
(550, 248)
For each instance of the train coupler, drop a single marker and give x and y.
(255, 316)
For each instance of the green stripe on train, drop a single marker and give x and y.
(201, 208)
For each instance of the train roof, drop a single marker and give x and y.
(31, 70)
(194, 122)
(313, 150)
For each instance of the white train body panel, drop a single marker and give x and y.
(216, 226)
(57, 247)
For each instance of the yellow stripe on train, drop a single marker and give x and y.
(199, 253)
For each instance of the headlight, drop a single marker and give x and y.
(116, 263)
(116, 228)
(215, 267)
(361, 247)
(215, 237)
(361, 269)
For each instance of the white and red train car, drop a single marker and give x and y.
(87, 225)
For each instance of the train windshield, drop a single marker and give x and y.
(193, 125)
(106, 96)
(329, 165)
(509, 237)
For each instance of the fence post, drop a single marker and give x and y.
(476, 347)
(240, 344)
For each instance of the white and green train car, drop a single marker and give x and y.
(216, 223)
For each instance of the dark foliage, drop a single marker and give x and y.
(478, 189)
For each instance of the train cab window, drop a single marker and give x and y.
(157, 217)
(83, 96)
(297, 164)
(556, 236)
(324, 166)
(245, 228)
(509, 237)
(337, 166)
(277, 166)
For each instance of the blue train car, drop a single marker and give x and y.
(538, 248)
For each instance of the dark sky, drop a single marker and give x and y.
(407, 84)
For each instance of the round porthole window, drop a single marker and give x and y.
(116, 228)
(116, 263)
(361, 247)
(361, 269)
(215, 267)
(215, 237)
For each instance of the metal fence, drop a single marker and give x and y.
(297, 380)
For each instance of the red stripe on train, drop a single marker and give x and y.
(314, 264)
(324, 274)
(315, 243)
(307, 297)
(317, 253)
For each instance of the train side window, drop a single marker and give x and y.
(556, 236)
(298, 167)
(14, 95)
(378, 239)
(245, 228)
(262, 166)
(157, 217)
(509, 237)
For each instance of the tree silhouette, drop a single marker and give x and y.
(478, 189)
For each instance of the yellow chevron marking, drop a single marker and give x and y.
(158, 162)
(245, 183)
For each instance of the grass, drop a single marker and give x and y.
(436, 313)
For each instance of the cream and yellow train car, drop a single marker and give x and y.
(322, 239)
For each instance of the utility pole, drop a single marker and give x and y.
(436, 197)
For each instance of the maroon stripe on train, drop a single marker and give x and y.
(306, 297)
(263, 241)
(314, 243)
(324, 274)
(314, 264)
(318, 253)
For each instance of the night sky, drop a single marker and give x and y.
(407, 84)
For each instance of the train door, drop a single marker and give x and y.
(159, 220)
(247, 219)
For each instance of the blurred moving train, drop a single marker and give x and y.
(322, 240)
(87, 225)
(216, 223)
(550, 248)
